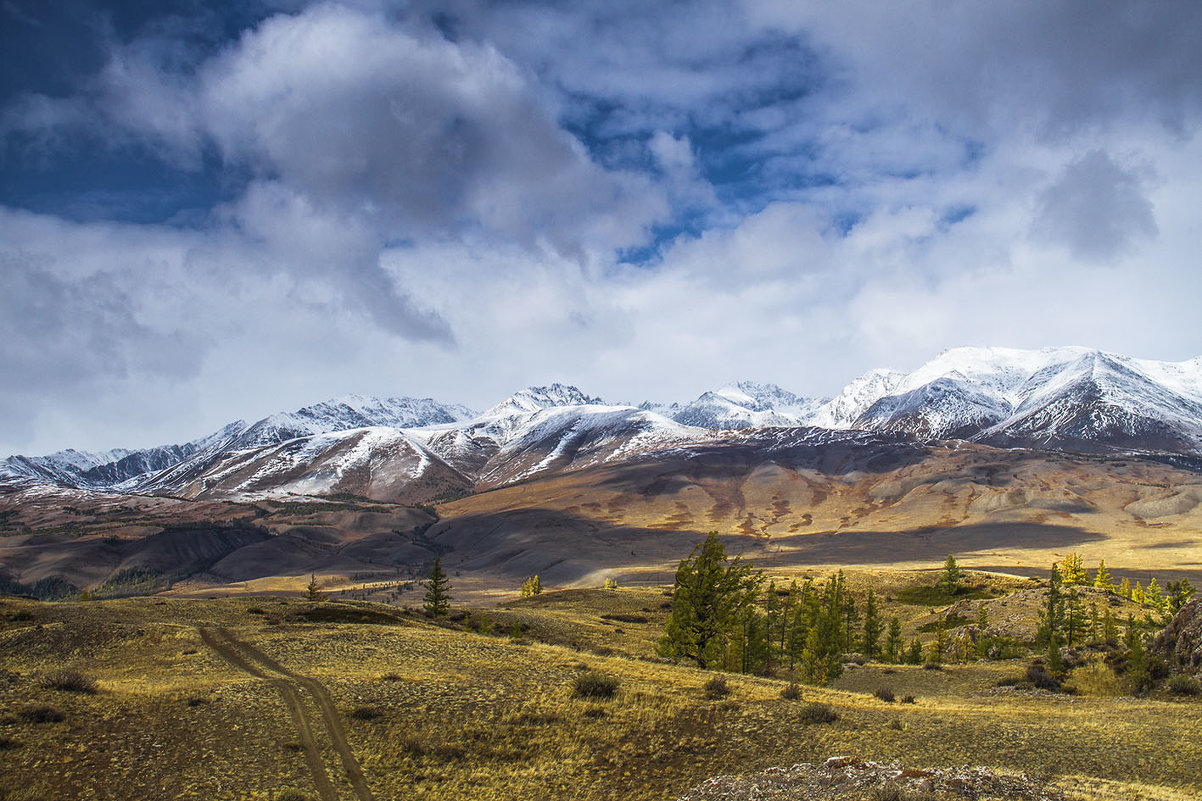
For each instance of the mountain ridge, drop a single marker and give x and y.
(1072, 399)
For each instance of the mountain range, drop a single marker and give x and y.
(414, 450)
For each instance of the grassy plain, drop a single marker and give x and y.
(437, 712)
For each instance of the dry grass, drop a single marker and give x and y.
(466, 716)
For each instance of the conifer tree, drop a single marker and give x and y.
(773, 621)
(914, 656)
(1125, 588)
(1074, 617)
(438, 599)
(313, 591)
(1102, 580)
(532, 586)
(1051, 617)
(1137, 594)
(1154, 597)
(814, 665)
(873, 626)
(1180, 593)
(949, 579)
(938, 646)
(710, 595)
(1073, 570)
(1095, 623)
(1110, 629)
(893, 642)
(982, 638)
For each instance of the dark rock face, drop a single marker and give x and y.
(1180, 644)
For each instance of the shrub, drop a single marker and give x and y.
(391, 677)
(792, 692)
(908, 699)
(366, 713)
(1185, 685)
(818, 713)
(71, 681)
(42, 714)
(594, 685)
(1040, 678)
(885, 694)
(716, 688)
(291, 794)
(197, 701)
(932, 666)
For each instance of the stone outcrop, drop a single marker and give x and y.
(1180, 644)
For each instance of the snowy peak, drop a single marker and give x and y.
(350, 412)
(746, 404)
(533, 399)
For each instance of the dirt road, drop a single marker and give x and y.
(249, 659)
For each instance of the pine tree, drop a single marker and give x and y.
(1125, 588)
(1180, 593)
(708, 599)
(532, 586)
(438, 599)
(1137, 594)
(893, 642)
(914, 656)
(872, 627)
(773, 621)
(1154, 597)
(949, 579)
(1051, 617)
(1074, 617)
(982, 638)
(1095, 623)
(1110, 629)
(938, 646)
(1102, 580)
(1073, 570)
(814, 664)
(313, 591)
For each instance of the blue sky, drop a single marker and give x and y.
(212, 211)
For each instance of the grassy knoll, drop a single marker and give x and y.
(435, 713)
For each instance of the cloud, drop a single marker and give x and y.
(1095, 208)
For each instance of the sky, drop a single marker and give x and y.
(213, 211)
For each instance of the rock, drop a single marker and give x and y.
(1180, 644)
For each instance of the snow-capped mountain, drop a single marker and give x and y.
(746, 404)
(413, 449)
(1068, 398)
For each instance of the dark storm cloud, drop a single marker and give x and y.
(1096, 208)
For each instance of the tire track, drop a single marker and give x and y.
(300, 718)
(329, 713)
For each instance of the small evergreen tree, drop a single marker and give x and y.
(949, 579)
(938, 646)
(1073, 570)
(873, 626)
(438, 598)
(1154, 597)
(893, 642)
(710, 594)
(914, 655)
(1180, 593)
(313, 591)
(1051, 617)
(1137, 594)
(1074, 617)
(1110, 629)
(1102, 580)
(532, 586)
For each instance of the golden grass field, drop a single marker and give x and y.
(432, 712)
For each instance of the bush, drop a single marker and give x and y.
(818, 713)
(594, 685)
(716, 688)
(71, 681)
(1185, 685)
(291, 794)
(884, 694)
(366, 713)
(908, 699)
(932, 666)
(792, 692)
(42, 714)
(1041, 679)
